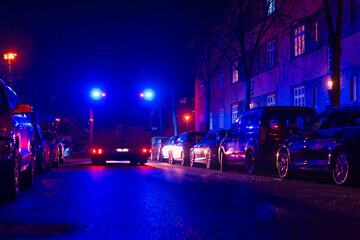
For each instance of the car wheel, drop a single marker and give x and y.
(192, 158)
(182, 157)
(10, 189)
(223, 165)
(341, 168)
(250, 162)
(28, 177)
(171, 158)
(283, 164)
(208, 159)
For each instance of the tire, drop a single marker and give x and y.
(10, 190)
(209, 162)
(251, 162)
(171, 158)
(28, 177)
(283, 164)
(223, 165)
(182, 158)
(341, 168)
(192, 158)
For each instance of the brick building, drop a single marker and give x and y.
(291, 68)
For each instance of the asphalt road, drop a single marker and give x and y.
(160, 201)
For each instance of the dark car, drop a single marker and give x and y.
(164, 151)
(157, 143)
(42, 150)
(256, 135)
(54, 148)
(328, 143)
(180, 151)
(206, 151)
(17, 158)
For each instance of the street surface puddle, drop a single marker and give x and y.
(37, 229)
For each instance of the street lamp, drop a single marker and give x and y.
(9, 57)
(148, 94)
(95, 94)
(187, 118)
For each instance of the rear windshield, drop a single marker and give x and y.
(283, 120)
(193, 137)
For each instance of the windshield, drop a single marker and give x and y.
(283, 120)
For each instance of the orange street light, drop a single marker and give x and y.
(9, 56)
(187, 117)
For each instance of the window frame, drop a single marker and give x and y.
(234, 71)
(299, 40)
(271, 96)
(270, 54)
(300, 96)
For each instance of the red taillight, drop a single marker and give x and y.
(97, 151)
(144, 150)
(94, 151)
(100, 151)
(262, 135)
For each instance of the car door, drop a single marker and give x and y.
(320, 142)
(230, 142)
(243, 137)
(199, 148)
(299, 146)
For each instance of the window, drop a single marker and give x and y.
(271, 6)
(299, 40)
(235, 73)
(270, 100)
(314, 124)
(251, 87)
(353, 89)
(201, 90)
(355, 119)
(211, 121)
(271, 54)
(245, 122)
(234, 112)
(221, 118)
(314, 97)
(221, 78)
(251, 40)
(353, 11)
(299, 96)
(337, 119)
(315, 31)
(201, 123)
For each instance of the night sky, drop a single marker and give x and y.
(69, 47)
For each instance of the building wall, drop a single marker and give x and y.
(309, 69)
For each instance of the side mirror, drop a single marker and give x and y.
(22, 108)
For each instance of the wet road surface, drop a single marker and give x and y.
(162, 201)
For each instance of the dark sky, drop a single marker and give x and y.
(122, 47)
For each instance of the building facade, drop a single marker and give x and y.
(291, 68)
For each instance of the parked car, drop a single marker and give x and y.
(17, 159)
(180, 151)
(328, 143)
(206, 151)
(156, 144)
(60, 146)
(67, 148)
(164, 151)
(256, 135)
(42, 150)
(54, 148)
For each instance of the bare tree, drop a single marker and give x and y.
(334, 41)
(209, 64)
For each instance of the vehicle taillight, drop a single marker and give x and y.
(262, 135)
(97, 151)
(100, 151)
(144, 150)
(94, 151)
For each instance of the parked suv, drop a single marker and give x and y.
(255, 136)
(16, 144)
(328, 143)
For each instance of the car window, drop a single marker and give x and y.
(255, 121)
(337, 119)
(212, 136)
(245, 122)
(283, 120)
(234, 129)
(315, 123)
(205, 138)
(193, 137)
(11, 100)
(355, 119)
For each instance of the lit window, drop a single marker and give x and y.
(271, 54)
(270, 100)
(315, 31)
(211, 121)
(299, 96)
(221, 118)
(251, 87)
(299, 40)
(221, 79)
(234, 112)
(235, 73)
(271, 6)
(353, 89)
